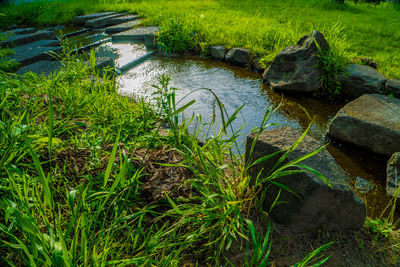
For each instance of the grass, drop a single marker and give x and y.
(266, 27)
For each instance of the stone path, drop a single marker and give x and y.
(35, 50)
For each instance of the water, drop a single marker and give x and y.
(235, 86)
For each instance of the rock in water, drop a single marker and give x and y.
(371, 122)
(359, 79)
(317, 205)
(296, 67)
(238, 56)
(217, 51)
(393, 176)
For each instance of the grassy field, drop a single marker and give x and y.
(266, 27)
(87, 177)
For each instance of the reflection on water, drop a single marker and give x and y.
(235, 86)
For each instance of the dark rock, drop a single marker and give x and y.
(104, 64)
(238, 56)
(123, 27)
(12, 27)
(137, 34)
(317, 204)
(256, 66)
(393, 176)
(36, 51)
(359, 79)
(150, 41)
(393, 87)
(23, 31)
(296, 67)
(218, 52)
(366, 61)
(22, 39)
(371, 122)
(103, 21)
(81, 20)
(56, 28)
(45, 67)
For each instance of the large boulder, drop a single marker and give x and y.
(238, 56)
(371, 122)
(296, 67)
(357, 80)
(317, 204)
(393, 87)
(393, 176)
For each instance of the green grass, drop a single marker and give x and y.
(266, 27)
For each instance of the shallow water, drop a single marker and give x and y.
(235, 86)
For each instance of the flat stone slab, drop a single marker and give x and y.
(137, 34)
(103, 21)
(81, 20)
(36, 51)
(393, 176)
(123, 26)
(371, 122)
(316, 205)
(45, 67)
(23, 31)
(22, 39)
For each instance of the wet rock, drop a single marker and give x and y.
(102, 21)
(12, 27)
(359, 79)
(371, 122)
(151, 41)
(393, 176)
(256, 66)
(123, 19)
(393, 87)
(56, 28)
(238, 56)
(23, 31)
(22, 39)
(81, 20)
(218, 52)
(45, 67)
(123, 27)
(295, 67)
(137, 34)
(317, 204)
(36, 51)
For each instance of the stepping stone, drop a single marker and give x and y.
(123, 27)
(36, 51)
(23, 31)
(238, 56)
(22, 39)
(45, 67)
(76, 33)
(371, 122)
(316, 205)
(123, 19)
(103, 21)
(80, 20)
(137, 34)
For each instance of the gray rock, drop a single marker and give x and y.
(81, 20)
(256, 66)
(296, 67)
(22, 39)
(123, 26)
(36, 51)
(56, 28)
(45, 67)
(238, 56)
(135, 35)
(218, 52)
(359, 79)
(317, 205)
(393, 87)
(12, 27)
(103, 21)
(393, 176)
(371, 122)
(151, 41)
(23, 31)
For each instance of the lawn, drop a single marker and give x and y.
(88, 177)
